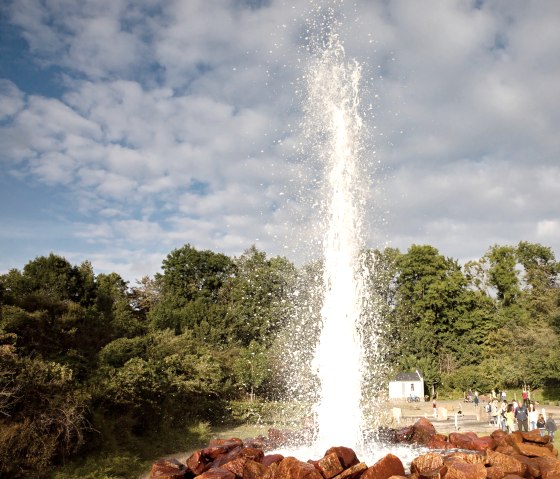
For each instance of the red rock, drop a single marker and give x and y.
(483, 443)
(329, 465)
(270, 459)
(236, 465)
(168, 469)
(271, 471)
(535, 436)
(198, 463)
(495, 472)
(437, 442)
(252, 453)
(353, 472)
(404, 435)
(514, 437)
(217, 473)
(291, 468)
(532, 465)
(426, 464)
(460, 440)
(508, 450)
(470, 458)
(227, 457)
(346, 456)
(549, 467)
(424, 430)
(512, 476)
(532, 450)
(463, 470)
(509, 464)
(386, 467)
(253, 470)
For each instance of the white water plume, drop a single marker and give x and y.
(332, 113)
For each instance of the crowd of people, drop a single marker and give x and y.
(519, 416)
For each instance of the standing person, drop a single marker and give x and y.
(541, 424)
(510, 418)
(504, 396)
(434, 406)
(522, 418)
(550, 426)
(476, 399)
(502, 417)
(494, 412)
(533, 417)
(525, 395)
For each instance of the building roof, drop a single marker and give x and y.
(415, 376)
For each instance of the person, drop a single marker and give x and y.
(522, 418)
(525, 395)
(510, 418)
(434, 406)
(541, 424)
(533, 416)
(504, 396)
(476, 399)
(488, 409)
(502, 417)
(550, 426)
(494, 412)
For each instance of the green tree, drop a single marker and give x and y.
(251, 368)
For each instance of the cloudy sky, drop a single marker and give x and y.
(129, 128)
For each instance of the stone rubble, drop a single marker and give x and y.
(518, 455)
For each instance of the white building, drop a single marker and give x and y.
(407, 385)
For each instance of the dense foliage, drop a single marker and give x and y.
(88, 363)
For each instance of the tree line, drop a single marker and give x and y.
(87, 360)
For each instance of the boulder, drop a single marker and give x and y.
(168, 469)
(468, 457)
(292, 468)
(427, 465)
(386, 467)
(549, 467)
(424, 430)
(464, 470)
(532, 450)
(535, 436)
(353, 472)
(270, 459)
(508, 463)
(198, 462)
(217, 473)
(329, 465)
(495, 472)
(346, 455)
(253, 470)
(460, 440)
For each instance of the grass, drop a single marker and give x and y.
(132, 458)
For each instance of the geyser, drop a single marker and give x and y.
(333, 105)
(338, 295)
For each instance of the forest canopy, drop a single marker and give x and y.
(86, 357)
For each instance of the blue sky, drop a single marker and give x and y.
(129, 128)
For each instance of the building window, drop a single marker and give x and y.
(412, 387)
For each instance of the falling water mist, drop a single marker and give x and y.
(332, 106)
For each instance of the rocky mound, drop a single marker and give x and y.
(455, 456)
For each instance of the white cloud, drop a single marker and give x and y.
(160, 98)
